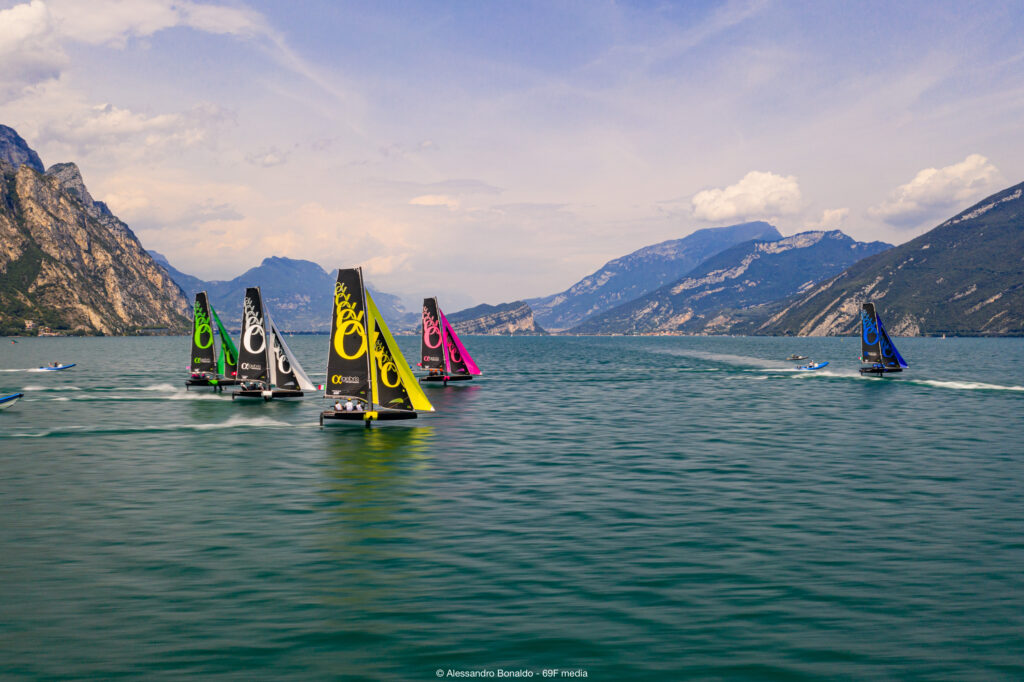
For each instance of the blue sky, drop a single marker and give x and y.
(503, 150)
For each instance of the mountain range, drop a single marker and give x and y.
(965, 276)
(712, 296)
(298, 294)
(642, 271)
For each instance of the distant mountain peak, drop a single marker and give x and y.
(626, 278)
(15, 151)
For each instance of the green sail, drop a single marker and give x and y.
(227, 361)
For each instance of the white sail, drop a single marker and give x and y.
(300, 375)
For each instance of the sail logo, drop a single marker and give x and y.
(337, 379)
(386, 364)
(349, 323)
(251, 365)
(203, 336)
(253, 329)
(870, 330)
(283, 366)
(453, 352)
(431, 330)
(886, 347)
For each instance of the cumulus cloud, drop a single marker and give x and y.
(33, 34)
(30, 51)
(934, 191)
(832, 219)
(757, 195)
(451, 203)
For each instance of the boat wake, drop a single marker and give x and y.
(963, 385)
(232, 423)
(59, 389)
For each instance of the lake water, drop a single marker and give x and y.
(628, 508)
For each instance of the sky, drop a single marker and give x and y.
(493, 151)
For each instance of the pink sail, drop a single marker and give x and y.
(455, 352)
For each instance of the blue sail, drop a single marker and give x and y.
(890, 356)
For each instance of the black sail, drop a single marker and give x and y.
(252, 351)
(284, 374)
(870, 336)
(390, 391)
(432, 339)
(203, 355)
(348, 359)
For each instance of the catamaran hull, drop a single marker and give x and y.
(879, 371)
(333, 416)
(9, 400)
(215, 384)
(270, 394)
(446, 379)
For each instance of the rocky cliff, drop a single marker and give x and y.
(729, 288)
(633, 275)
(964, 277)
(66, 262)
(514, 318)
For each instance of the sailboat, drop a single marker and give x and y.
(204, 370)
(365, 367)
(444, 356)
(876, 348)
(267, 368)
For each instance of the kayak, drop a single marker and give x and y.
(810, 368)
(8, 400)
(57, 368)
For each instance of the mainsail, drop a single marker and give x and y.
(432, 340)
(458, 357)
(253, 356)
(202, 337)
(869, 335)
(348, 367)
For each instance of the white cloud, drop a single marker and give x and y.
(114, 22)
(934, 191)
(30, 52)
(83, 129)
(831, 219)
(757, 195)
(451, 203)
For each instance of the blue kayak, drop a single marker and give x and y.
(810, 368)
(8, 400)
(58, 367)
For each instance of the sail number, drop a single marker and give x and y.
(349, 323)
